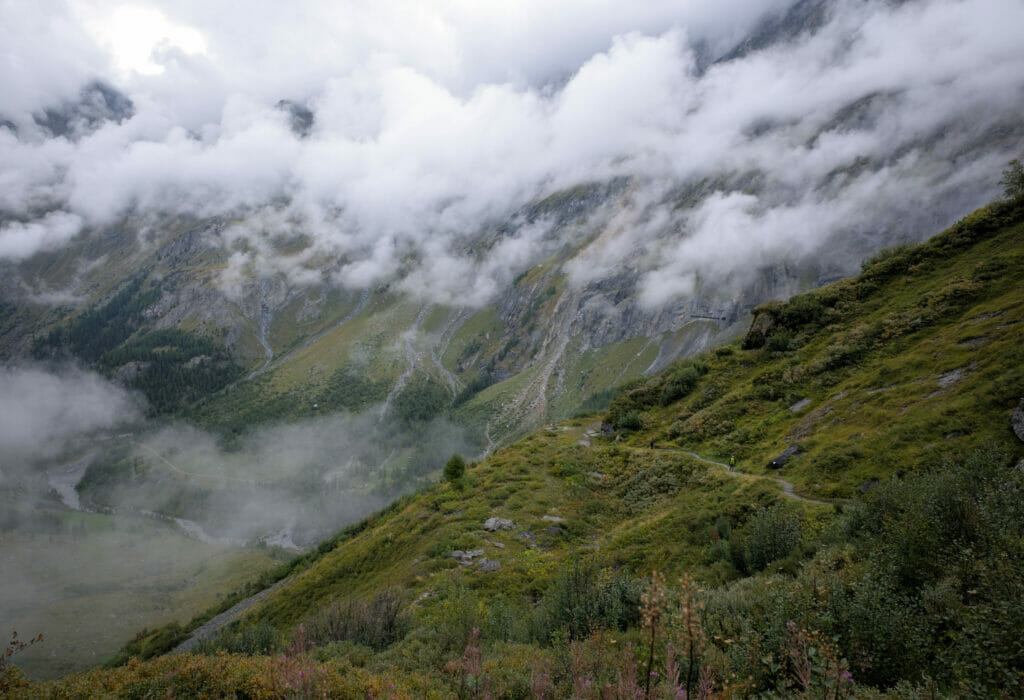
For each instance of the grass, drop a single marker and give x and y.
(910, 372)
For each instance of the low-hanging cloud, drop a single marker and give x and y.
(433, 123)
(43, 408)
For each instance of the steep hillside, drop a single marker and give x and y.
(880, 551)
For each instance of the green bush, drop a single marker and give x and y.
(260, 640)
(630, 421)
(377, 624)
(679, 385)
(780, 340)
(454, 468)
(584, 598)
(771, 534)
(1013, 180)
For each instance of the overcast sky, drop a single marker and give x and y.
(433, 118)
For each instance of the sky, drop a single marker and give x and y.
(435, 120)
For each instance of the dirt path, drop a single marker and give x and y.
(210, 628)
(194, 475)
(786, 485)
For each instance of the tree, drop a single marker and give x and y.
(454, 468)
(1013, 180)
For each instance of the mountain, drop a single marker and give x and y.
(243, 309)
(871, 515)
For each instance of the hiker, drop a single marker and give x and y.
(732, 463)
(652, 443)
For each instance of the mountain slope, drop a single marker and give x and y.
(913, 368)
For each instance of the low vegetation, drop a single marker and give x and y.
(867, 544)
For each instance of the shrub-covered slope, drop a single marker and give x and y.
(893, 568)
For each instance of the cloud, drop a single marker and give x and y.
(43, 408)
(22, 240)
(435, 123)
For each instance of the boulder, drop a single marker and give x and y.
(780, 461)
(553, 519)
(466, 558)
(1017, 421)
(869, 485)
(494, 524)
(488, 565)
(801, 404)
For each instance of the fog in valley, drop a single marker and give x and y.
(398, 145)
(100, 503)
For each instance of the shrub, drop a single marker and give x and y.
(1013, 180)
(630, 421)
(771, 534)
(780, 340)
(260, 640)
(679, 385)
(376, 624)
(454, 468)
(584, 598)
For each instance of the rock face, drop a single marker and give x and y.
(494, 524)
(781, 460)
(1017, 421)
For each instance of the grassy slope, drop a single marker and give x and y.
(918, 356)
(875, 357)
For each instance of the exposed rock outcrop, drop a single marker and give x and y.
(1017, 421)
(494, 524)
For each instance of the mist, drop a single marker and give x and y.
(112, 522)
(430, 124)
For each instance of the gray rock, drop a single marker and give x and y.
(494, 524)
(802, 403)
(488, 565)
(554, 531)
(952, 377)
(780, 461)
(1017, 421)
(466, 558)
(553, 519)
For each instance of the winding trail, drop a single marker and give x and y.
(787, 486)
(193, 475)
